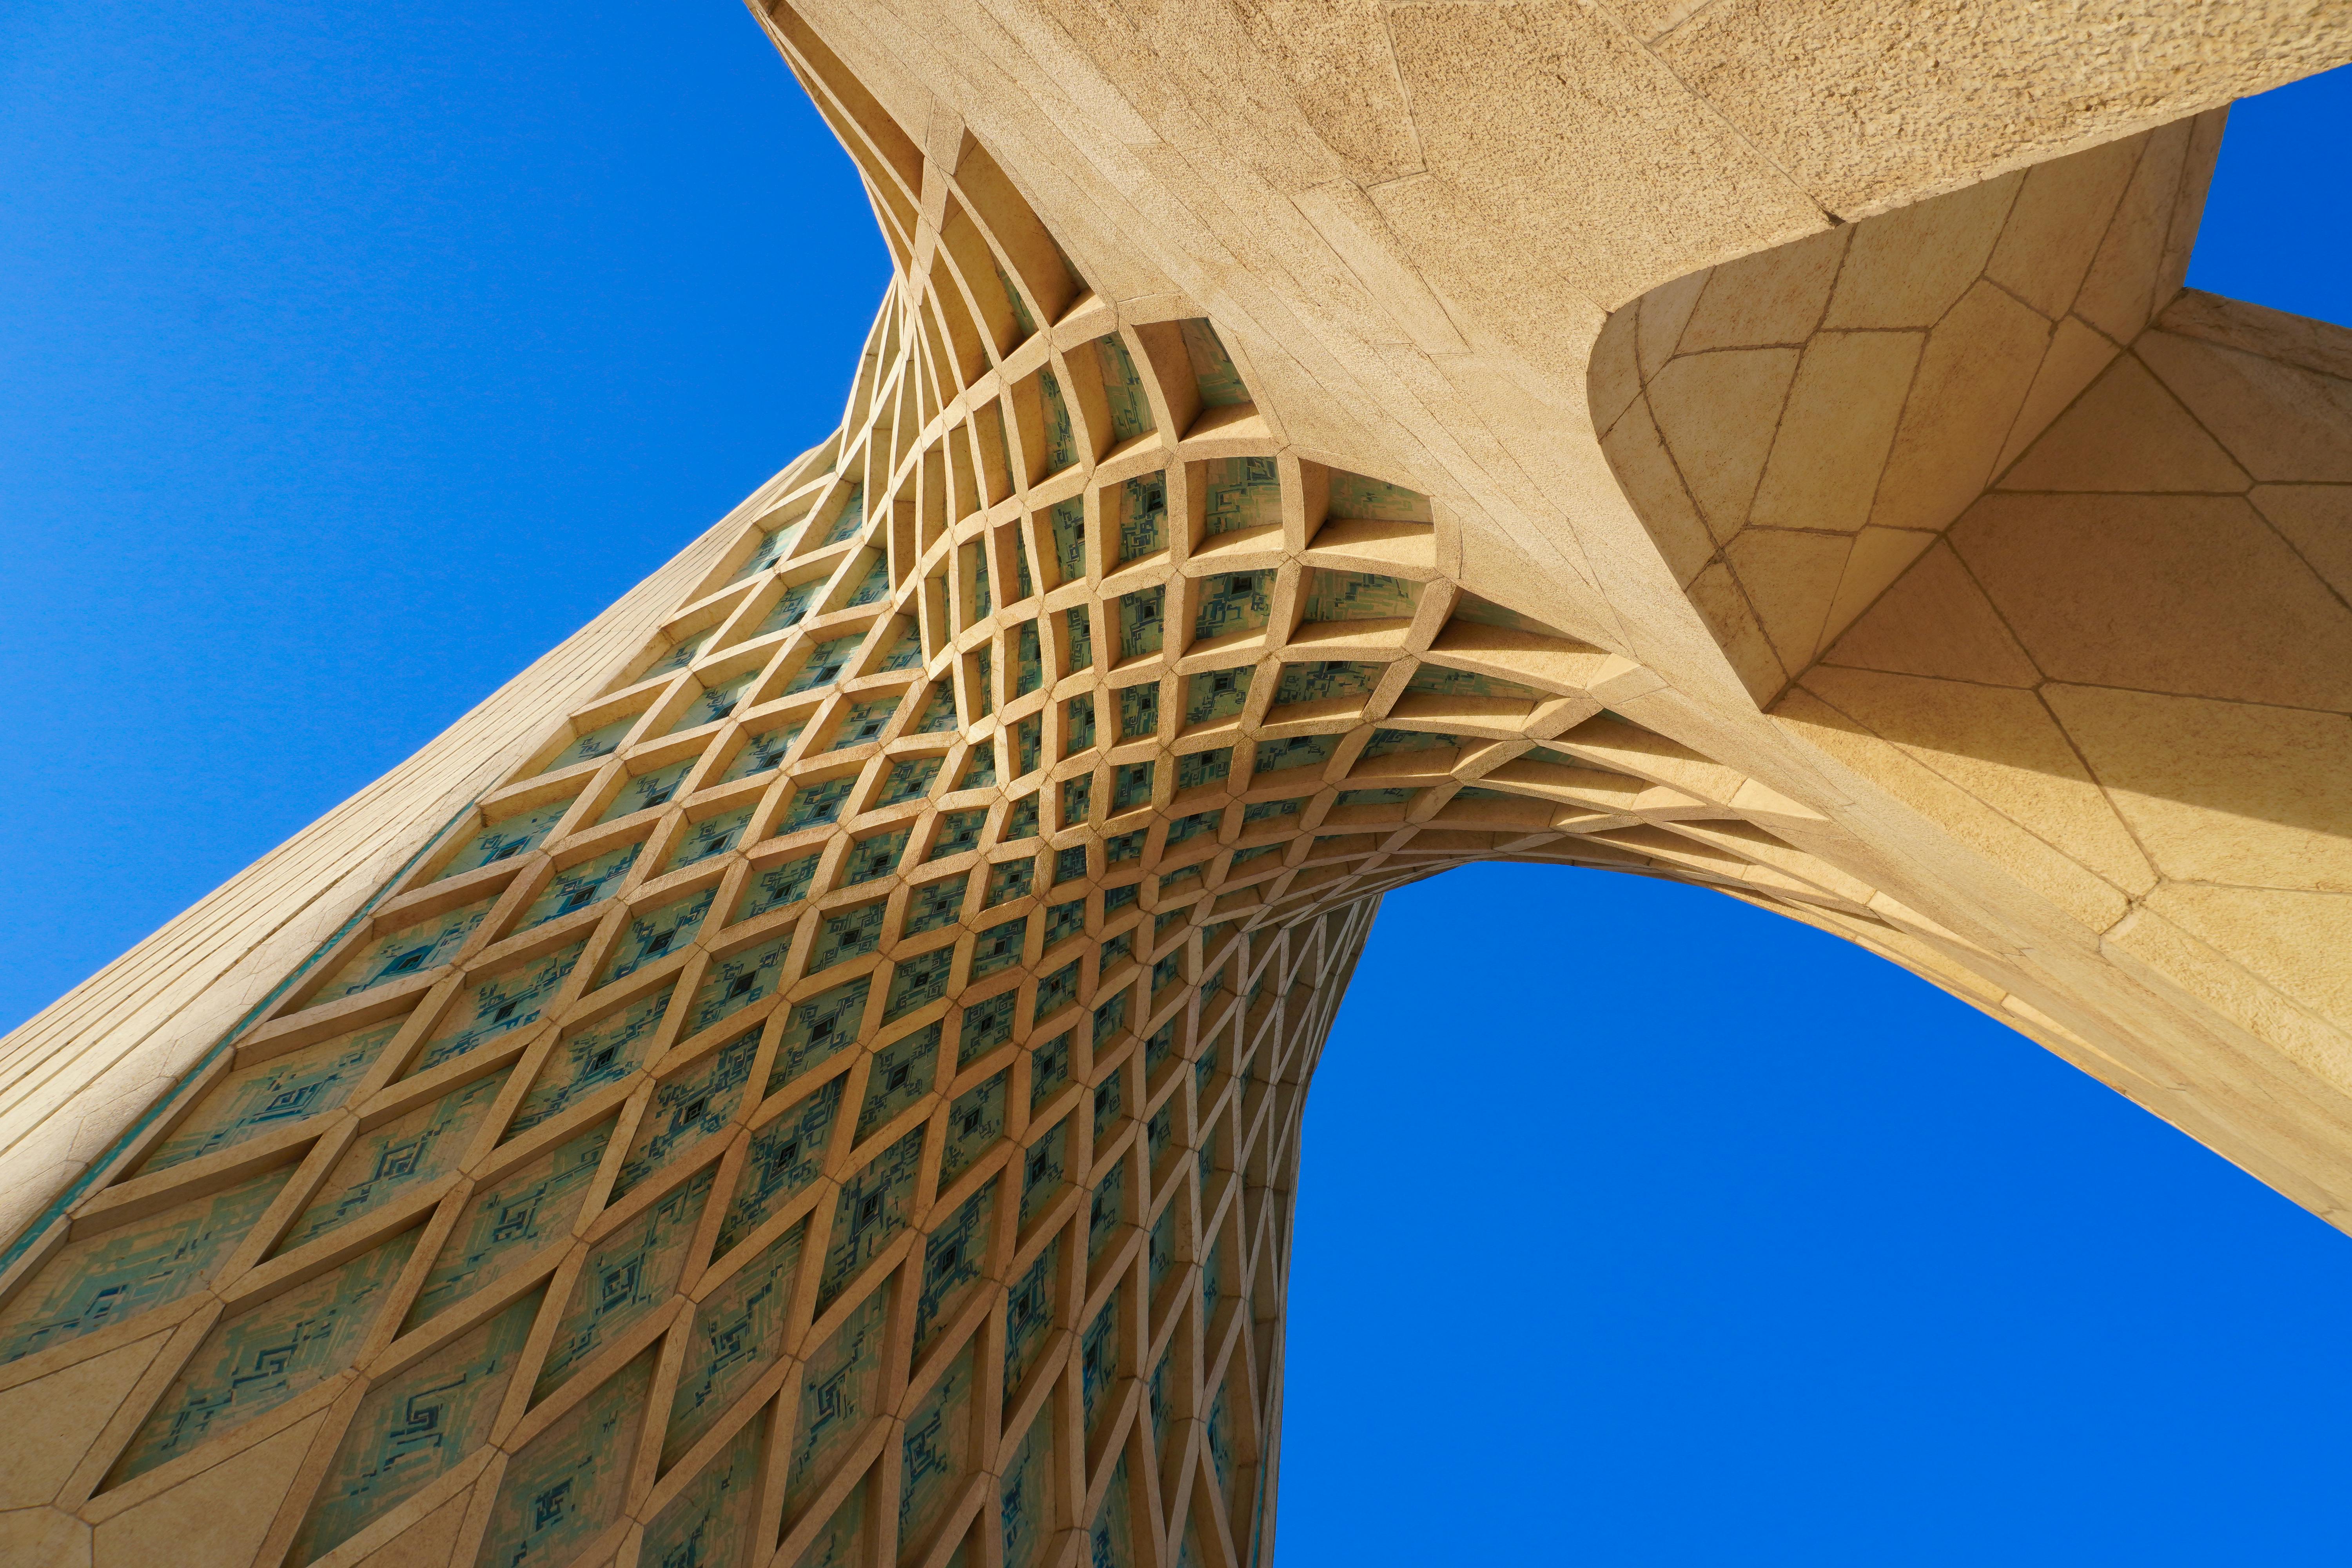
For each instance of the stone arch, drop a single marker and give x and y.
(815, 1065)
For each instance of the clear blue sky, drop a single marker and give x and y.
(353, 356)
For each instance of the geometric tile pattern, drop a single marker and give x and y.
(840, 1095)
(837, 1100)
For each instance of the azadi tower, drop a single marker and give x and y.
(809, 1073)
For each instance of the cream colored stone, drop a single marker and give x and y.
(1663, 313)
(2317, 520)
(1789, 579)
(1444, 245)
(1615, 379)
(1936, 621)
(2126, 433)
(2075, 357)
(1353, 225)
(1970, 823)
(1716, 413)
(214, 1518)
(2005, 750)
(1910, 267)
(1775, 297)
(2054, 231)
(2257, 329)
(2185, 593)
(1879, 556)
(1718, 598)
(1973, 375)
(47, 1424)
(1645, 19)
(1562, 128)
(1440, 227)
(427, 1543)
(2204, 152)
(43, 1538)
(2221, 792)
(2119, 294)
(2293, 939)
(1335, 61)
(1835, 432)
(1656, 488)
(1868, 106)
(2170, 956)
(2280, 421)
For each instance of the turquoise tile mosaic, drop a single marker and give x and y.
(1359, 596)
(653, 934)
(735, 980)
(817, 1028)
(738, 1333)
(1219, 382)
(714, 1520)
(770, 548)
(496, 1004)
(1060, 439)
(642, 791)
(874, 1205)
(592, 744)
(280, 1093)
(1242, 494)
(416, 947)
(784, 1156)
(632, 1274)
(840, 1391)
(1067, 524)
(707, 838)
(1026, 1495)
(413, 1426)
(513, 1222)
(953, 1257)
(701, 1160)
(710, 705)
(580, 887)
(1029, 1319)
(975, 1121)
(506, 838)
(403, 1158)
(763, 751)
(570, 1481)
(697, 1103)
(1216, 695)
(1141, 623)
(268, 1355)
(606, 1051)
(1142, 506)
(1232, 604)
(711, 1522)
(1131, 404)
(778, 887)
(97, 1281)
(899, 1077)
(937, 1451)
(849, 518)
(1374, 500)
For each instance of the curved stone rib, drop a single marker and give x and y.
(833, 1095)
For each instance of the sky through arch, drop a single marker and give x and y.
(1624, 1204)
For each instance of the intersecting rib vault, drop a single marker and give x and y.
(810, 1073)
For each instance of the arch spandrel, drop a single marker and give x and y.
(829, 1094)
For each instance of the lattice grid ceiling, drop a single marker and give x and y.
(839, 1102)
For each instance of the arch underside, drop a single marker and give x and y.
(831, 1096)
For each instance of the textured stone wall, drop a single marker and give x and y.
(810, 1073)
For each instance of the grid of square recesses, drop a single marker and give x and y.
(839, 1096)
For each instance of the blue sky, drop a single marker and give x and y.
(354, 357)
